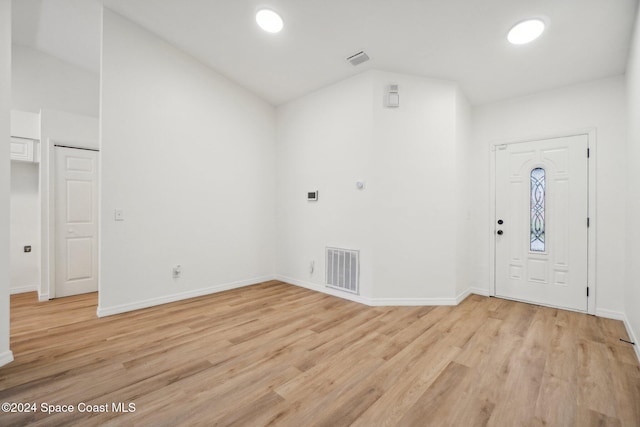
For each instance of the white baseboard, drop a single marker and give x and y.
(23, 289)
(462, 296)
(633, 337)
(323, 289)
(480, 291)
(616, 315)
(43, 297)
(610, 314)
(428, 301)
(411, 302)
(137, 305)
(6, 357)
(378, 302)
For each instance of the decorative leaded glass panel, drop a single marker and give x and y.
(537, 210)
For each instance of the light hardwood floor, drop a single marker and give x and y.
(276, 354)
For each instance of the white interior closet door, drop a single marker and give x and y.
(76, 221)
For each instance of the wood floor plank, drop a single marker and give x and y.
(626, 379)
(589, 418)
(436, 397)
(276, 354)
(594, 378)
(556, 403)
(402, 394)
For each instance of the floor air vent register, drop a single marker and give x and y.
(343, 269)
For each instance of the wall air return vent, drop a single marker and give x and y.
(358, 58)
(343, 269)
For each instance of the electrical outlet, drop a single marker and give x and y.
(312, 267)
(177, 271)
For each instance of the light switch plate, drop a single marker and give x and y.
(119, 215)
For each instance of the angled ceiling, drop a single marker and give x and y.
(66, 29)
(459, 40)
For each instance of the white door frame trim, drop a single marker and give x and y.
(48, 232)
(591, 232)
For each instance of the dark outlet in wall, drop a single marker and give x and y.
(27, 248)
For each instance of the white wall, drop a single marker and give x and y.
(404, 221)
(41, 81)
(25, 227)
(465, 224)
(325, 144)
(5, 106)
(599, 105)
(25, 208)
(632, 294)
(190, 158)
(415, 188)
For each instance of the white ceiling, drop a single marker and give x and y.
(67, 29)
(459, 40)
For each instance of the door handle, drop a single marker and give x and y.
(500, 232)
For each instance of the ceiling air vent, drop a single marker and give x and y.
(358, 58)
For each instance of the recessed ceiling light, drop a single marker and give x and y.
(269, 21)
(526, 31)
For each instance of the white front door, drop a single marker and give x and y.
(541, 222)
(76, 221)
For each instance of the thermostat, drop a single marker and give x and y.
(312, 196)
